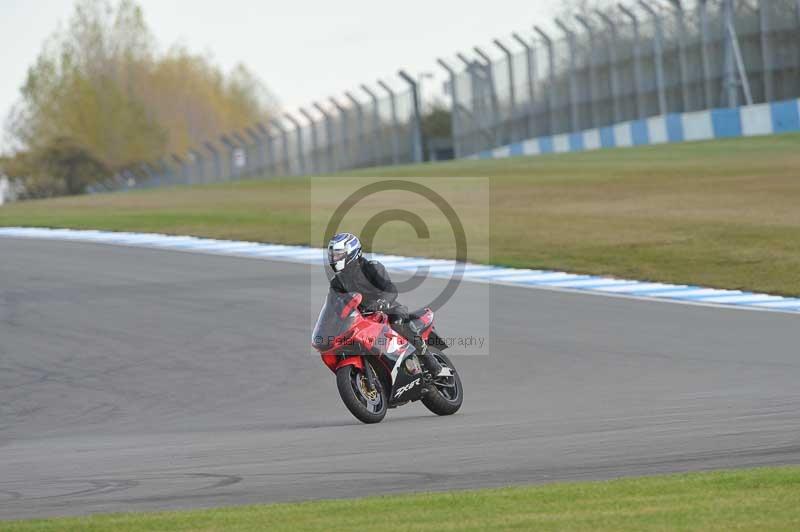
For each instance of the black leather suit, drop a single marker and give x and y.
(369, 278)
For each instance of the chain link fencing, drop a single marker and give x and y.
(638, 60)
(374, 126)
(632, 62)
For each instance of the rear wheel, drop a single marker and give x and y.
(445, 393)
(368, 406)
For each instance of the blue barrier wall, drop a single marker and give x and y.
(749, 121)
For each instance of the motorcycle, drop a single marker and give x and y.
(376, 368)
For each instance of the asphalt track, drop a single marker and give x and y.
(136, 379)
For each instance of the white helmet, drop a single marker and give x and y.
(343, 249)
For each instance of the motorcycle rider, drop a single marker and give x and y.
(354, 273)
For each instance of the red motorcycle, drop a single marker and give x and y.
(376, 368)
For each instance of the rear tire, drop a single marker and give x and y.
(352, 386)
(445, 398)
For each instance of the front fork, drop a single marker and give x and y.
(370, 375)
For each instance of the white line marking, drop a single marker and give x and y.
(499, 272)
(541, 276)
(697, 293)
(745, 298)
(589, 284)
(780, 304)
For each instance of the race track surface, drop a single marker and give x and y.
(135, 379)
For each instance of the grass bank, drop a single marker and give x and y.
(757, 499)
(723, 213)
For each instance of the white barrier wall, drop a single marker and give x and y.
(763, 119)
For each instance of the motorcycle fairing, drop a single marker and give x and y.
(334, 362)
(339, 315)
(392, 351)
(406, 384)
(344, 337)
(422, 319)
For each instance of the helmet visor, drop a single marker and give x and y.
(335, 255)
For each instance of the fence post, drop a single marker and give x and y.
(243, 145)
(487, 68)
(157, 173)
(454, 117)
(298, 132)
(269, 164)
(148, 174)
(680, 19)
(287, 167)
(199, 166)
(734, 64)
(416, 131)
(259, 144)
(477, 119)
(551, 90)
(530, 66)
(730, 86)
(146, 170)
(658, 55)
(315, 166)
(766, 51)
(512, 96)
(344, 162)
(186, 168)
(592, 69)
(574, 117)
(360, 159)
(227, 165)
(181, 167)
(395, 123)
(166, 171)
(329, 136)
(797, 45)
(217, 163)
(243, 148)
(702, 6)
(376, 137)
(613, 62)
(637, 59)
(231, 166)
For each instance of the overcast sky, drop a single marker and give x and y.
(303, 50)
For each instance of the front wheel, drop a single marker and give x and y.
(368, 406)
(445, 393)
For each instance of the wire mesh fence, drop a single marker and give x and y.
(635, 61)
(371, 127)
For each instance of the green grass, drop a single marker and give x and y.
(723, 214)
(756, 499)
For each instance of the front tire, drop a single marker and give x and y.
(365, 406)
(445, 395)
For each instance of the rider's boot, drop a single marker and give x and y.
(428, 361)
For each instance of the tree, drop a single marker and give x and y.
(437, 132)
(59, 167)
(99, 88)
(436, 122)
(81, 86)
(69, 163)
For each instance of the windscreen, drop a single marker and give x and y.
(330, 323)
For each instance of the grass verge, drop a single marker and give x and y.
(722, 214)
(755, 499)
